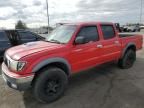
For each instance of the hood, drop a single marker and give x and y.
(30, 48)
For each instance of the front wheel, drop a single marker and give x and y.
(50, 84)
(128, 60)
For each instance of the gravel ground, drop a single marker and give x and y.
(106, 86)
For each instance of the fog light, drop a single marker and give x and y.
(14, 86)
(4, 77)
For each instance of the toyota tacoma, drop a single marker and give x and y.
(45, 66)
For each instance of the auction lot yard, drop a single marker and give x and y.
(106, 86)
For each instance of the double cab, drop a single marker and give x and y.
(45, 66)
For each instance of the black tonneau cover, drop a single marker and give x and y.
(126, 34)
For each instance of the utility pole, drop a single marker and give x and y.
(48, 15)
(141, 11)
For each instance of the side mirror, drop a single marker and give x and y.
(80, 40)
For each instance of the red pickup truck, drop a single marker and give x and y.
(45, 66)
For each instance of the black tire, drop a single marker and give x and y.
(50, 84)
(128, 60)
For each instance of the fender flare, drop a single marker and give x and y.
(127, 46)
(52, 60)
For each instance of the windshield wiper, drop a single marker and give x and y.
(54, 41)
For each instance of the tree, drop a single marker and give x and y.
(20, 25)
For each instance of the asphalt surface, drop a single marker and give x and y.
(106, 86)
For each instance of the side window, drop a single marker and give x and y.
(90, 33)
(27, 35)
(3, 36)
(108, 31)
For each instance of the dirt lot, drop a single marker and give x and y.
(101, 87)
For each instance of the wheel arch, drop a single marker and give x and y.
(129, 46)
(58, 62)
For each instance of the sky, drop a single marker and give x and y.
(34, 14)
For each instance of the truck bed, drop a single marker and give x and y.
(126, 38)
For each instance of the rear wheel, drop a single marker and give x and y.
(50, 84)
(128, 60)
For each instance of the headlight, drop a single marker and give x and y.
(20, 65)
(15, 65)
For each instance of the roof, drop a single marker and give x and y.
(86, 23)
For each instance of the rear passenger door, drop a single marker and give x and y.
(110, 44)
(27, 36)
(4, 42)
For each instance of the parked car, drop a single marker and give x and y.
(141, 27)
(125, 28)
(118, 27)
(9, 38)
(133, 28)
(45, 66)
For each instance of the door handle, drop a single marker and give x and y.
(116, 42)
(77, 50)
(99, 46)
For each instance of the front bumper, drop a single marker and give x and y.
(16, 81)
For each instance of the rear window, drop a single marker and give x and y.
(3, 36)
(108, 31)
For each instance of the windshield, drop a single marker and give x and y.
(61, 34)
